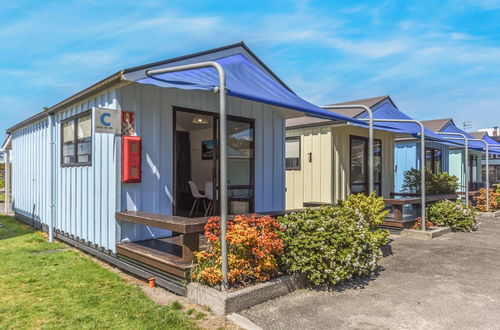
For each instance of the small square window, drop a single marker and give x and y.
(292, 153)
(76, 140)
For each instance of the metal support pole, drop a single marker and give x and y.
(422, 157)
(466, 155)
(222, 148)
(486, 148)
(370, 137)
(51, 176)
(7, 180)
(487, 176)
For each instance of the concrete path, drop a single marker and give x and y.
(451, 282)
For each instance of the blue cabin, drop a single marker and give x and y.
(119, 167)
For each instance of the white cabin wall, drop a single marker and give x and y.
(153, 107)
(85, 196)
(326, 178)
(313, 181)
(30, 172)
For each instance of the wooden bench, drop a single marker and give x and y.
(398, 219)
(172, 255)
(472, 196)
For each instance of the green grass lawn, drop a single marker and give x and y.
(48, 285)
(2, 197)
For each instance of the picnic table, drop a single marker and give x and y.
(398, 200)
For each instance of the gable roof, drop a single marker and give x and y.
(221, 50)
(437, 125)
(371, 102)
(123, 75)
(478, 135)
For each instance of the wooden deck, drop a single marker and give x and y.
(173, 255)
(164, 254)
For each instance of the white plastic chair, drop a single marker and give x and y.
(197, 197)
(209, 194)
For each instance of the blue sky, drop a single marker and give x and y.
(435, 58)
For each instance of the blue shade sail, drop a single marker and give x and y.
(476, 145)
(243, 80)
(389, 111)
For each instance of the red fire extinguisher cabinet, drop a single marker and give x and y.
(131, 159)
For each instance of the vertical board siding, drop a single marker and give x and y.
(85, 196)
(30, 172)
(153, 122)
(313, 181)
(407, 157)
(326, 179)
(85, 206)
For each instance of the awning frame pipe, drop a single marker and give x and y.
(466, 161)
(221, 89)
(422, 157)
(51, 177)
(487, 151)
(6, 150)
(370, 137)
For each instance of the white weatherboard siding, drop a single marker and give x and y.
(153, 108)
(85, 196)
(313, 181)
(326, 178)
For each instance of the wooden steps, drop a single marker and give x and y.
(164, 254)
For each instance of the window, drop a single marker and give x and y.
(359, 165)
(433, 160)
(76, 140)
(292, 153)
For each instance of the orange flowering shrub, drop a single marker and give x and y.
(253, 247)
(481, 200)
(418, 224)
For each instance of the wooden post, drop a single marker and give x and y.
(190, 244)
(398, 212)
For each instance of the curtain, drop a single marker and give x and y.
(183, 170)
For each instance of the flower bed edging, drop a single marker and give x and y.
(425, 235)
(226, 302)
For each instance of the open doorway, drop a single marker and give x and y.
(196, 163)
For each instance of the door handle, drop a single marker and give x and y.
(310, 155)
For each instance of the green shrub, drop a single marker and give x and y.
(333, 243)
(455, 215)
(435, 183)
(497, 191)
(369, 208)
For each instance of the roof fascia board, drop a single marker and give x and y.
(68, 103)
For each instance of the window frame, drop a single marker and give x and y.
(433, 152)
(365, 164)
(74, 119)
(298, 167)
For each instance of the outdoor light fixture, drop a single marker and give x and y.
(200, 120)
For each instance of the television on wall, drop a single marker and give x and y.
(207, 149)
